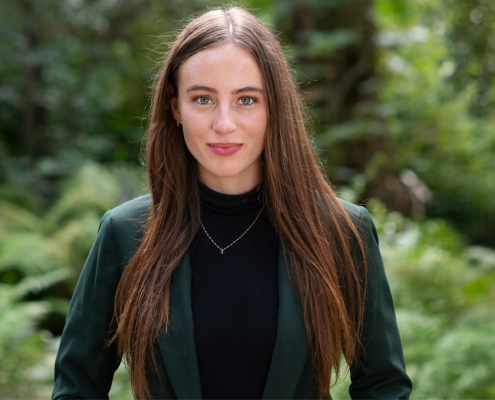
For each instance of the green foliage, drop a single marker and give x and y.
(317, 43)
(41, 257)
(121, 385)
(63, 237)
(21, 343)
(428, 108)
(434, 111)
(443, 292)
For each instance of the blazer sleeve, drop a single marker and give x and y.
(381, 372)
(84, 368)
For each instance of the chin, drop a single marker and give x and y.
(225, 173)
(225, 170)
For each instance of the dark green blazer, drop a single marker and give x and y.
(84, 369)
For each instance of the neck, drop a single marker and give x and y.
(232, 185)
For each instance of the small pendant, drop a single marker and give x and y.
(221, 252)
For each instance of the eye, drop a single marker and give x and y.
(247, 101)
(202, 100)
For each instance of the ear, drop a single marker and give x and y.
(174, 103)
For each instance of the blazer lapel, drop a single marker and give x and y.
(289, 354)
(291, 344)
(177, 345)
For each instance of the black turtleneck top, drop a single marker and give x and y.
(234, 296)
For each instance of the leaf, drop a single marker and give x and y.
(321, 43)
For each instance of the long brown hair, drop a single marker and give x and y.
(325, 275)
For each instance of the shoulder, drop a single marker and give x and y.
(134, 209)
(358, 214)
(124, 225)
(354, 211)
(129, 217)
(362, 220)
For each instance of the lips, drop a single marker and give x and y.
(224, 148)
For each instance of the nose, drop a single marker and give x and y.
(224, 123)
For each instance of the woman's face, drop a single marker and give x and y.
(223, 111)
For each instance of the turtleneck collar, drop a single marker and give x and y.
(223, 205)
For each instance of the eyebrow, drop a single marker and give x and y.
(237, 91)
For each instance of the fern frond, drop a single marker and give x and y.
(35, 284)
(30, 253)
(14, 218)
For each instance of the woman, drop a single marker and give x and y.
(241, 275)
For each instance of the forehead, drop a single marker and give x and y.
(222, 67)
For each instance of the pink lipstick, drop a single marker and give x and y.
(224, 148)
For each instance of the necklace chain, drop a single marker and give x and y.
(225, 248)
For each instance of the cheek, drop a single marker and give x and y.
(194, 129)
(193, 140)
(258, 132)
(260, 143)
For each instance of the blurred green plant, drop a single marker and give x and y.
(22, 345)
(40, 262)
(436, 104)
(30, 245)
(444, 291)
